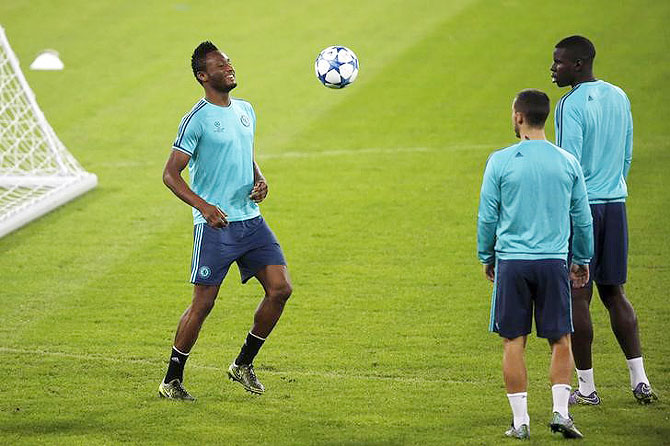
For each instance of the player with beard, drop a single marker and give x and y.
(530, 193)
(216, 141)
(594, 123)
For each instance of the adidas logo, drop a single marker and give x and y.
(590, 98)
(174, 359)
(518, 155)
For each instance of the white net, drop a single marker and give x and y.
(37, 173)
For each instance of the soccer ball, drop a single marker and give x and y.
(336, 66)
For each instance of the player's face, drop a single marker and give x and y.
(220, 72)
(562, 70)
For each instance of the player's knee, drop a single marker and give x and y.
(613, 295)
(280, 293)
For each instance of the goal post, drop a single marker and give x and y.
(37, 173)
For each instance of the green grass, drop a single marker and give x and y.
(374, 193)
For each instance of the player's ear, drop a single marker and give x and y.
(202, 76)
(518, 117)
(579, 63)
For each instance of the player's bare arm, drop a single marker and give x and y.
(172, 178)
(260, 190)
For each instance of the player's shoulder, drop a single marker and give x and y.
(615, 91)
(573, 99)
(501, 155)
(562, 153)
(194, 111)
(568, 158)
(197, 106)
(242, 103)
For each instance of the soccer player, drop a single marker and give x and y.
(530, 193)
(594, 123)
(216, 141)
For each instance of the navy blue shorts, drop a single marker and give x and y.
(609, 265)
(526, 287)
(251, 243)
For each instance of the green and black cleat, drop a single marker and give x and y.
(174, 390)
(245, 375)
(522, 433)
(565, 426)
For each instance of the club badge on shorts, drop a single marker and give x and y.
(205, 272)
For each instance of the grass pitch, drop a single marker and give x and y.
(373, 195)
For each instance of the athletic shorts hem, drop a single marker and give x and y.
(507, 335)
(202, 282)
(553, 335)
(245, 277)
(608, 282)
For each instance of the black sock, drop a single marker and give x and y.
(249, 349)
(176, 366)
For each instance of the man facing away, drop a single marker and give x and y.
(594, 123)
(215, 140)
(530, 193)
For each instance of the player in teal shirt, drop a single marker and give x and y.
(530, 193)
(594, 123)
(216, 140)
(526, 215)
(224, 137)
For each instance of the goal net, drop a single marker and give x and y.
(37, 173)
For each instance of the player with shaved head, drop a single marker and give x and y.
(594, 123)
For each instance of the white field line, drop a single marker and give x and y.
(161, 364)
(369, 150)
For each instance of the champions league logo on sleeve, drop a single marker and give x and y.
(244, 119)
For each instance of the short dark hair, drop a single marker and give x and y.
(578, 47)
(533, 105)
(199, 57)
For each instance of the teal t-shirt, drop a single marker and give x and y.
(530, 193)
(594, 123)
(220, 142)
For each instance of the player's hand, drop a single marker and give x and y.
(579, 275)
(260, 191)
(215, 217)
(490, 272)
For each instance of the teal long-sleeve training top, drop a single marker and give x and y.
(530, 193)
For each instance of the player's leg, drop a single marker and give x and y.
(514, 365)
(582, 336)
(512, 319)
(560, 373)
(266, 262)
(624, 325)
(516, 385)
(208, 268)
(622, 319)
(193, 317)
(610, 278)
(187, 333)
(277, 285)
(553, 319)
(582, 340)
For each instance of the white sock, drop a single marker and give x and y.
(519, 404)
(561, 394)
(636, 370)
(586, 384)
